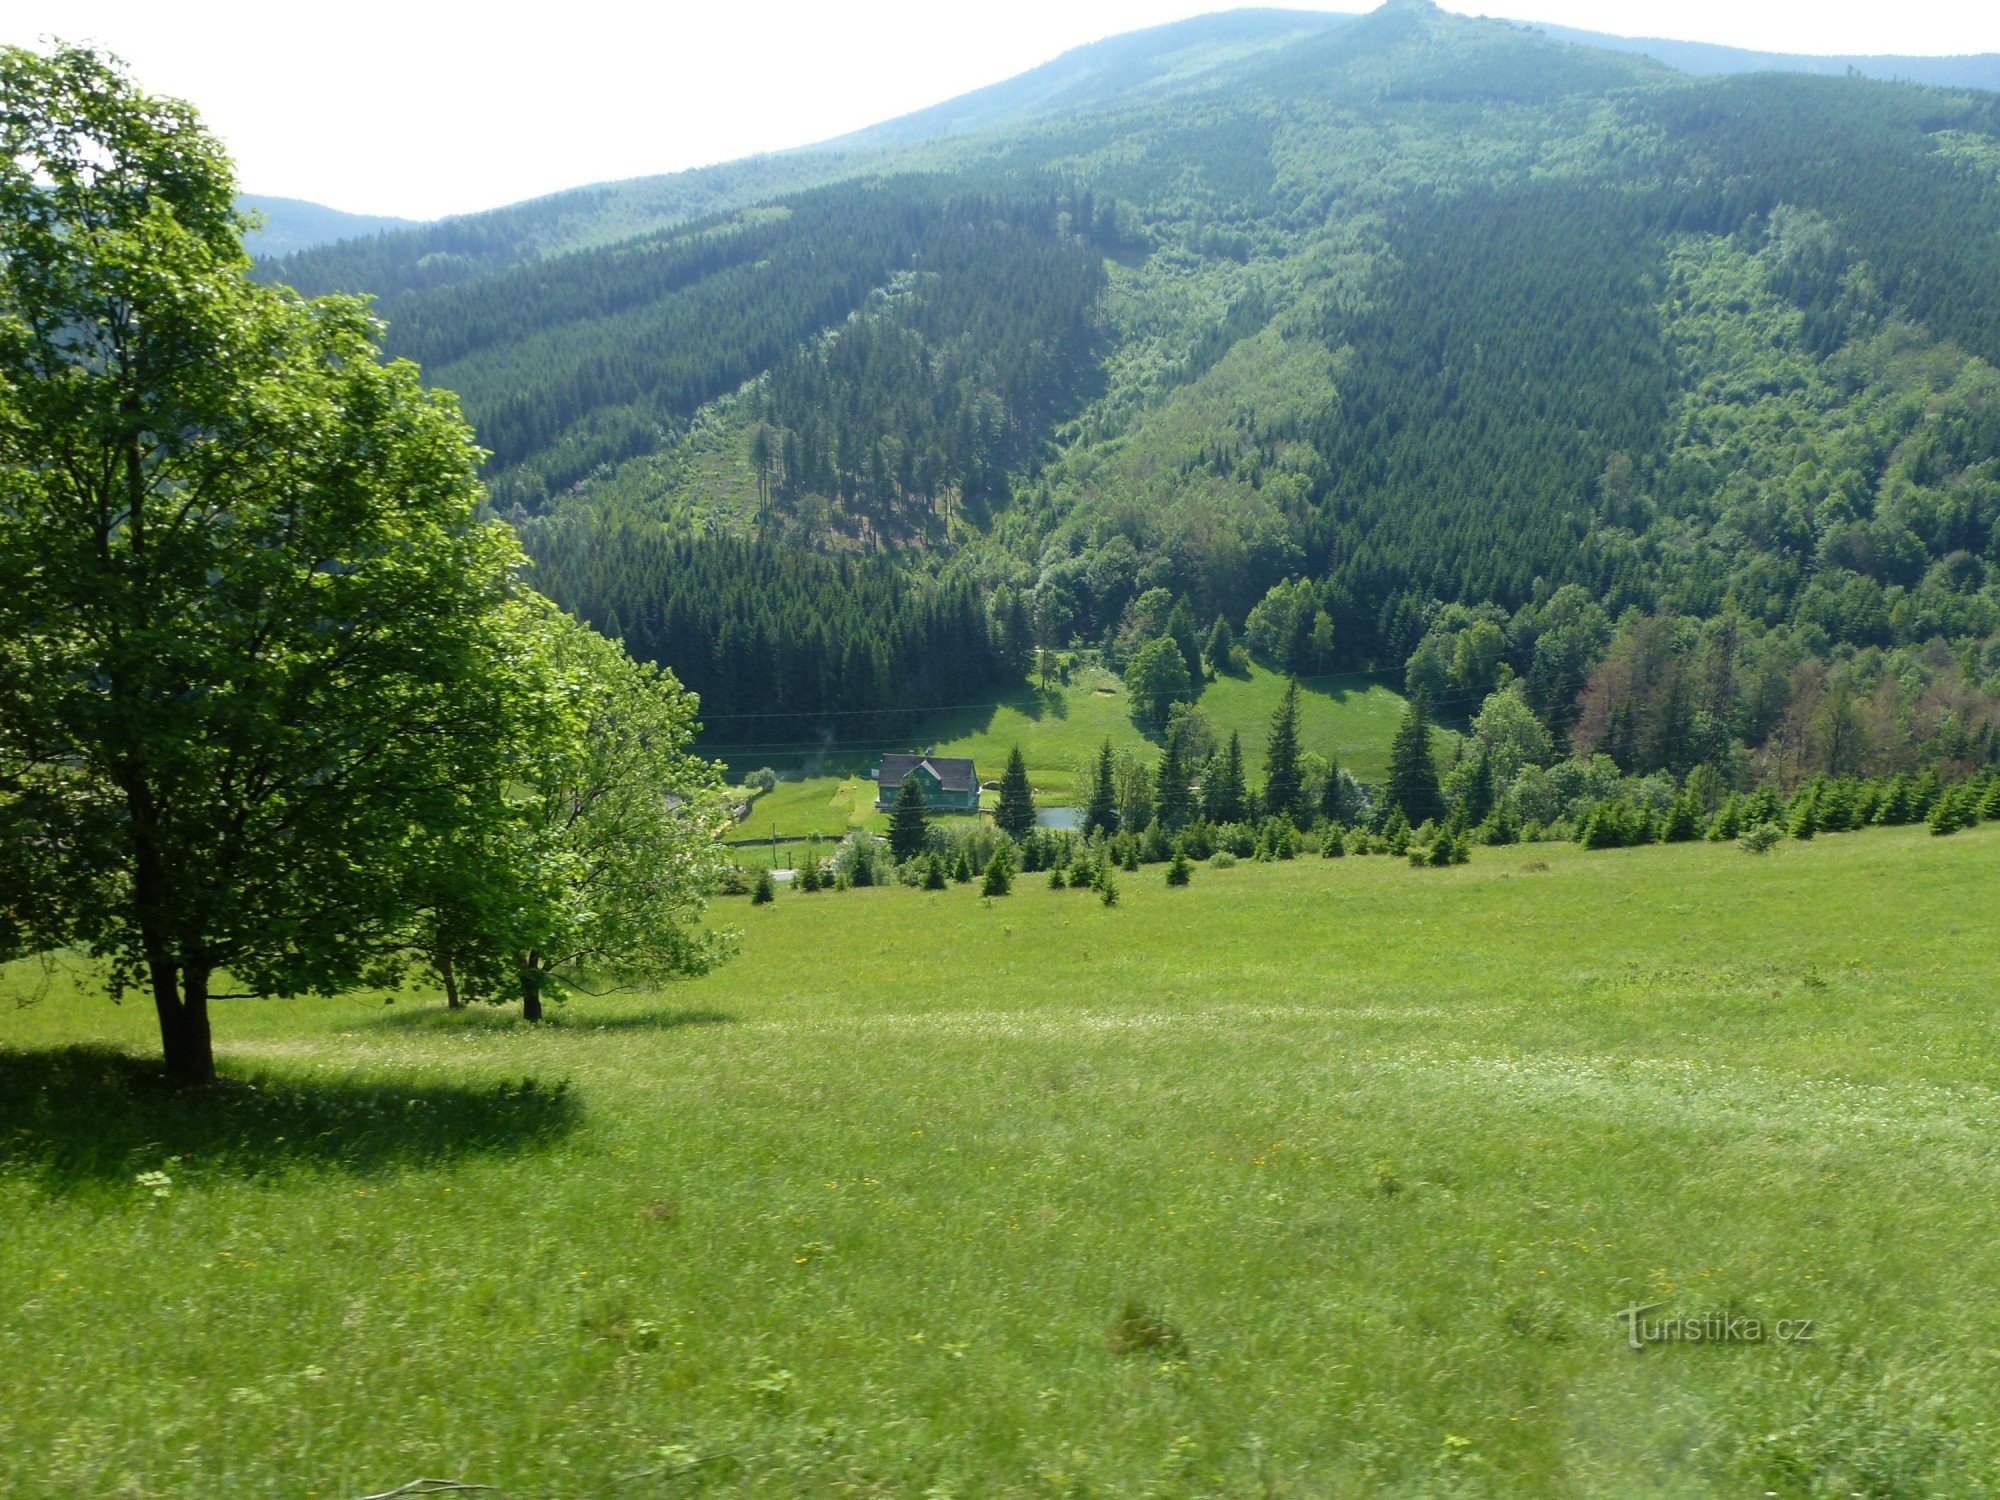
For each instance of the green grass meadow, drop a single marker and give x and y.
(1061, 731)
(1321, 1178)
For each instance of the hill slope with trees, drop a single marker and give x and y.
(1411, 341)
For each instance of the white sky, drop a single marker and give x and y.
(428, 107)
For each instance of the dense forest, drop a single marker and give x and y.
(1426, 345)
(782, 645)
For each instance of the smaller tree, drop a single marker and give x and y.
(763, 892)
(907, 828)
(1413, 779)
(1158, 678)
(999, 873)
(1101, 815)
(1177, 872)
(1015, 816)
(1284, 791)
(1173, 796)
(1180, 626)
(1220, 648)
(1107, 888)
(1225, 798)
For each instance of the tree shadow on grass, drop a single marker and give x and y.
(560, 1018)
(88, 1117)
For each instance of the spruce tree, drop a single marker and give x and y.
(763, 892)
(1180, 626)
(934, 879)
(906, 822)
(1683, 820)
(1220, 646)
(1413, 778)
(1284, 795)
(961, 868)
(1101, 816)
(1174, 799)
(1177, 872)
(1224, 797)
(999, 874)
(1015, 816)
(1333, 796)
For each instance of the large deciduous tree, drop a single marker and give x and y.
(254, 641)
(610, 842)
(1158, 678)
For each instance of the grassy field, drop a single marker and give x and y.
(1321, 1178)
(1346, 717)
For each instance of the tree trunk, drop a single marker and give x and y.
(180, 993)
(531, 990)
(185, 1040)
(450, 978)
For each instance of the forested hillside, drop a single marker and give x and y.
(1410, 343)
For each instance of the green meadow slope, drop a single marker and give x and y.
(1348, 717)
(1321, 1178)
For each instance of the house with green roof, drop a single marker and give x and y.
(950, 784)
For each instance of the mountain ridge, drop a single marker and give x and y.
(1420, 342)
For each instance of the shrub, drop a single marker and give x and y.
(1762, 839)
(999, 874)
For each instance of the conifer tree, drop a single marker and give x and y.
(1413, 779)
(934, 873)
(1180, 628)
(1015, 816)
(1172, 795)
(1220, 646)
(1101, 816)
(1333, 796)
(907, 830)
(763, 892)
(999, 873)
(1224, 796)
(1284, 795)
(961, 868)
(1177, 871)
(1106, 887)
(1683, 820)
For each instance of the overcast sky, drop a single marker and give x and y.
(429, 107)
